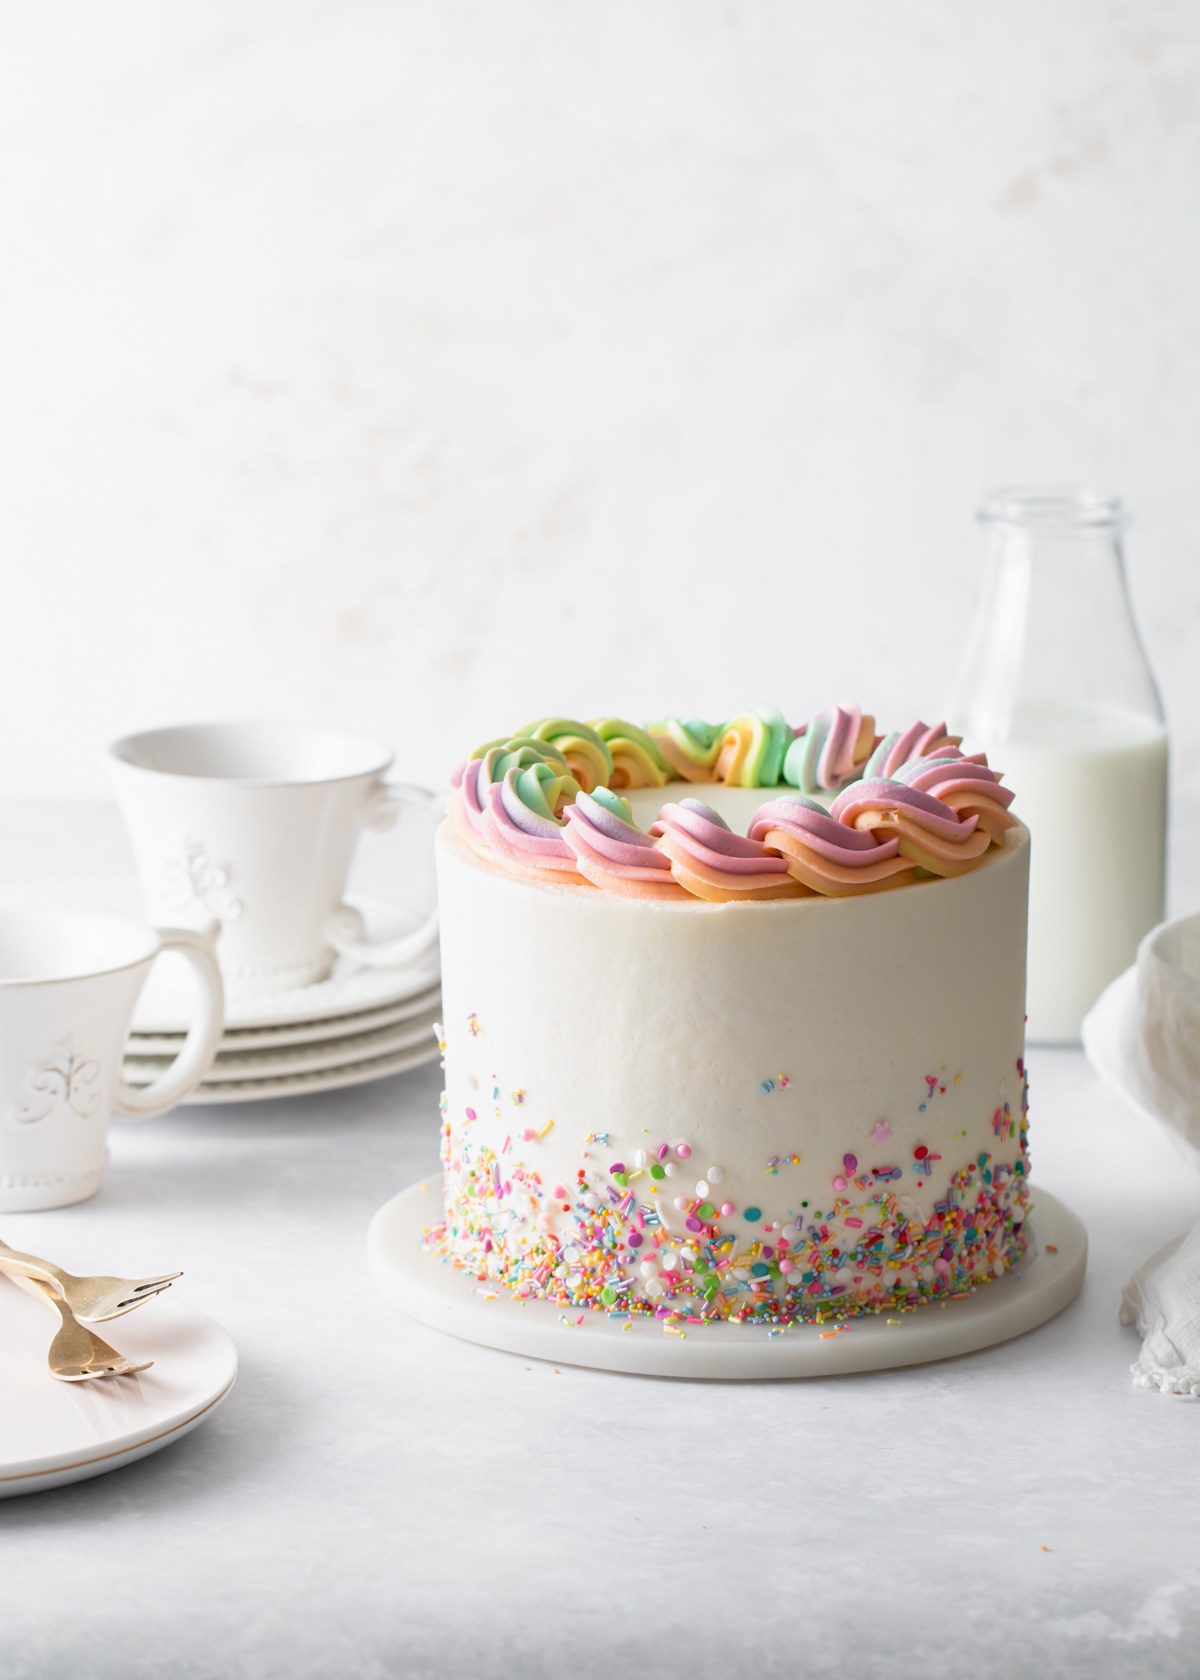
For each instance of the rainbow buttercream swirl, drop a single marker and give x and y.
(910, 806)
(612, 852)
(714, 863)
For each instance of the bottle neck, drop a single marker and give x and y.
(1055, 647)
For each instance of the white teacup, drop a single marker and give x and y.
(254, 825)
(69, 980)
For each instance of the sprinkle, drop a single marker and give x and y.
(768, 1085)
(752, 1215)
(683, 1150)
(502, 1232)
(715, 1175)
(784, 1081)
(473, 1026)
(519, 1097)
(839, 1183)
(1052, 1248)
(470, 1114)
(548, 1127)
(850, 1162)
(880, 1131)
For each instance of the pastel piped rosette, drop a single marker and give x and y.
(507, 805)
(824, 854)
(712, 862)
(611, 852)
(830, 751)
(909, 806)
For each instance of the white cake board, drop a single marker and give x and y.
(437, 1294)
(55, 1432)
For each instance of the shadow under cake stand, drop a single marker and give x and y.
(1047, 1279)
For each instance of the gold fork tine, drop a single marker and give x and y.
(91, 1299)
(76, 1353)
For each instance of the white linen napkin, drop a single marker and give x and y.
(1162, 1299)
(1143, 1036)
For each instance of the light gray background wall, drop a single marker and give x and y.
(426, 367)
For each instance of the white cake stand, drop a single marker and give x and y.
(1050, 1276)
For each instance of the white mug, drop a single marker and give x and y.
(69, 980)
(254, 825)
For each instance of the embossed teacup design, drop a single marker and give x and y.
(253, 825)
(69, 980)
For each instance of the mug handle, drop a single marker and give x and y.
(143, 1102)
(345, 931)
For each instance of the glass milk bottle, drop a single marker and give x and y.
(1056, 689)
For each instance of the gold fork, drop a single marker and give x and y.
(92, 1299)
(76, 1354)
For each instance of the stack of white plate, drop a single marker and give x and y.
(360, 1024)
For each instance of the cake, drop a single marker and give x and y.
(734, 1018)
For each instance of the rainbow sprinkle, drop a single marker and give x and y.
(873, 1250)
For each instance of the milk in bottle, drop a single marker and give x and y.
(1056, 689)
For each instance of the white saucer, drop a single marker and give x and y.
(165, 1005)
(437, 1294)
(231, 1066)
(301, 1084)
(323, 1031)
(56, 1432)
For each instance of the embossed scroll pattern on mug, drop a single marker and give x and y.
(193, 878)
(64, 1077)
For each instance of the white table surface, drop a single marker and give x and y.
(378, 1500)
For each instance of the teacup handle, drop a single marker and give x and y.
(133, 1102)
(345, 932)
